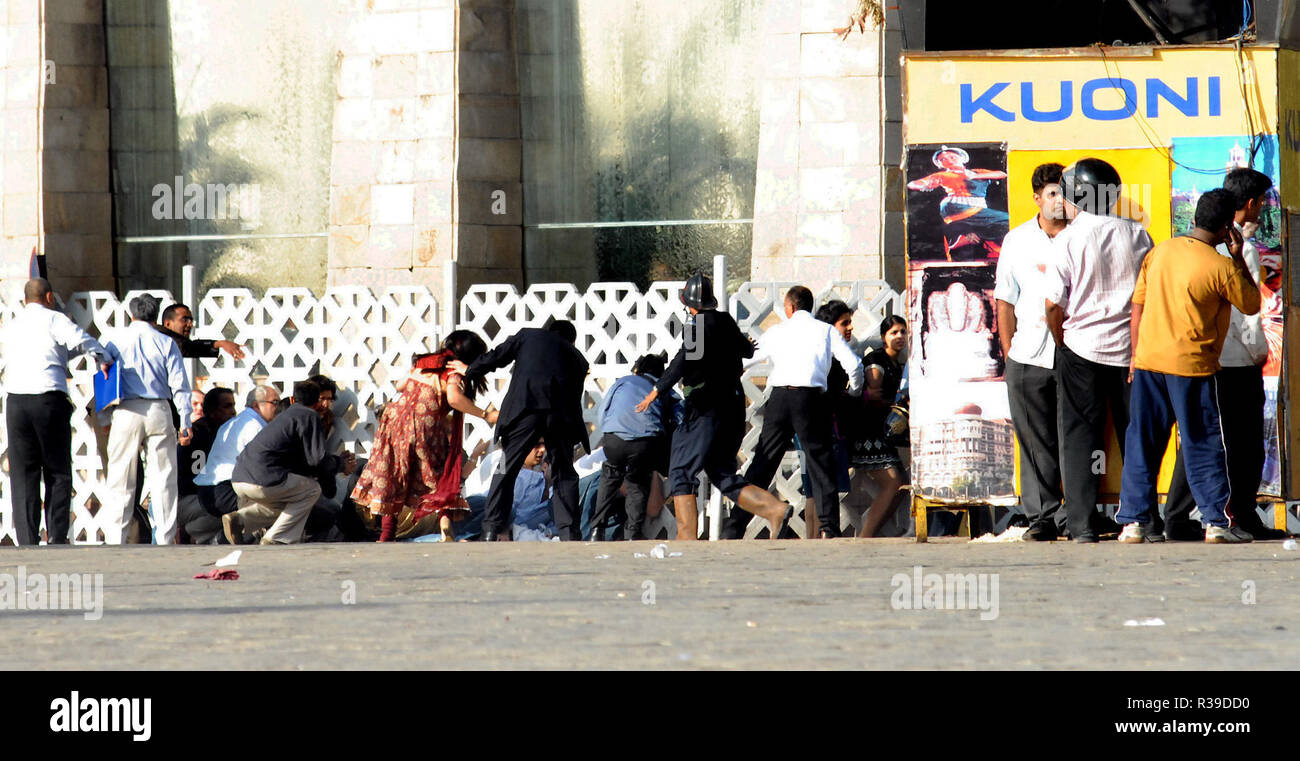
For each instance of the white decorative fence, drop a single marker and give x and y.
(365, 343)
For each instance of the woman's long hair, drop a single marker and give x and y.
(467, 346)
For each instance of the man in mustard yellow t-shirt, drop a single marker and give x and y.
(1181, 307)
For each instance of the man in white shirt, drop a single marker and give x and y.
(1240, 384)
(1028, 251)
(151, 372)
(1088, 304)
(801, 350)
(212, 482)
(37, 345)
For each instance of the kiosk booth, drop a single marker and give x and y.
(1172, 120)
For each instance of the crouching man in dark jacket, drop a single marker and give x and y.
(276, 476)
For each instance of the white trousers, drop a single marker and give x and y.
(136, 423)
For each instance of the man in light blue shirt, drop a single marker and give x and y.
(151, 373)
(636, 443)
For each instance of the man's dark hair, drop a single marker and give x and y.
(1246, 185)
(1044, 175)
(36, 289)
(213, 398)
(306, 393)
(801, 298)
(565, 329)
(283, 405)
(171, 311)
(144, 307)
(1215, 210)
(831, 312)
(324, 384)
(650, 364)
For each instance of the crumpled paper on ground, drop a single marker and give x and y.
(219, 574)
(1145, 622)
(1012, 534)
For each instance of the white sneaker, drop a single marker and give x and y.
(1137, 533)
(1229, 535)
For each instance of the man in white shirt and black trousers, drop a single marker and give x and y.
(1028, 251)
(801, 350)
(1088, 305)
(1240, 382)
(37, 345)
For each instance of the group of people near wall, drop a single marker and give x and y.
(1095, 320)
(211, 473)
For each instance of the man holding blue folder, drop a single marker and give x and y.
(37, 345)
(151, 372)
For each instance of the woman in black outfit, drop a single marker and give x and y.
(873, 452)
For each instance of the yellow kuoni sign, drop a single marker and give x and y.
(1090, 97)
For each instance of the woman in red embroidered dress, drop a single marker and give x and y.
(413, 477)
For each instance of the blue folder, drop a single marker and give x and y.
(108, 391)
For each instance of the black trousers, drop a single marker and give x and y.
(1241, 418)
(632, 463)
(517, 440)
(805, 412)
(1031, 391)
(40, 448)
(1088, 391)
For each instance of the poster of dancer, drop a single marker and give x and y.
(956, 202)
(954, 323)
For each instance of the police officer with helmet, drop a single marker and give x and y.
(713, 424)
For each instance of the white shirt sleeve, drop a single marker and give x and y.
(851, 363)
(76, 340)
(179, 382)
(1005, 287)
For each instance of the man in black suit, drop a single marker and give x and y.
(544, 401)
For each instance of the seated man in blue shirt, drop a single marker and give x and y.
(636, 444)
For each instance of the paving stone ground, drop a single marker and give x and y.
(721, 605)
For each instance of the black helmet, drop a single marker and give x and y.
(1092, 185)
(698, 293)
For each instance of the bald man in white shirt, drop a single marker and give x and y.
(38, 343)
(801, 350)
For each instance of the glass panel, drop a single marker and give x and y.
(221, 124)
(637, 110)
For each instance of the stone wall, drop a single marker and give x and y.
(824, 184)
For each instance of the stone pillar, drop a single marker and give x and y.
(818, 200)
(489, 170)
(426, 160)
(392, 170)
(20, 55)
(55, 161)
